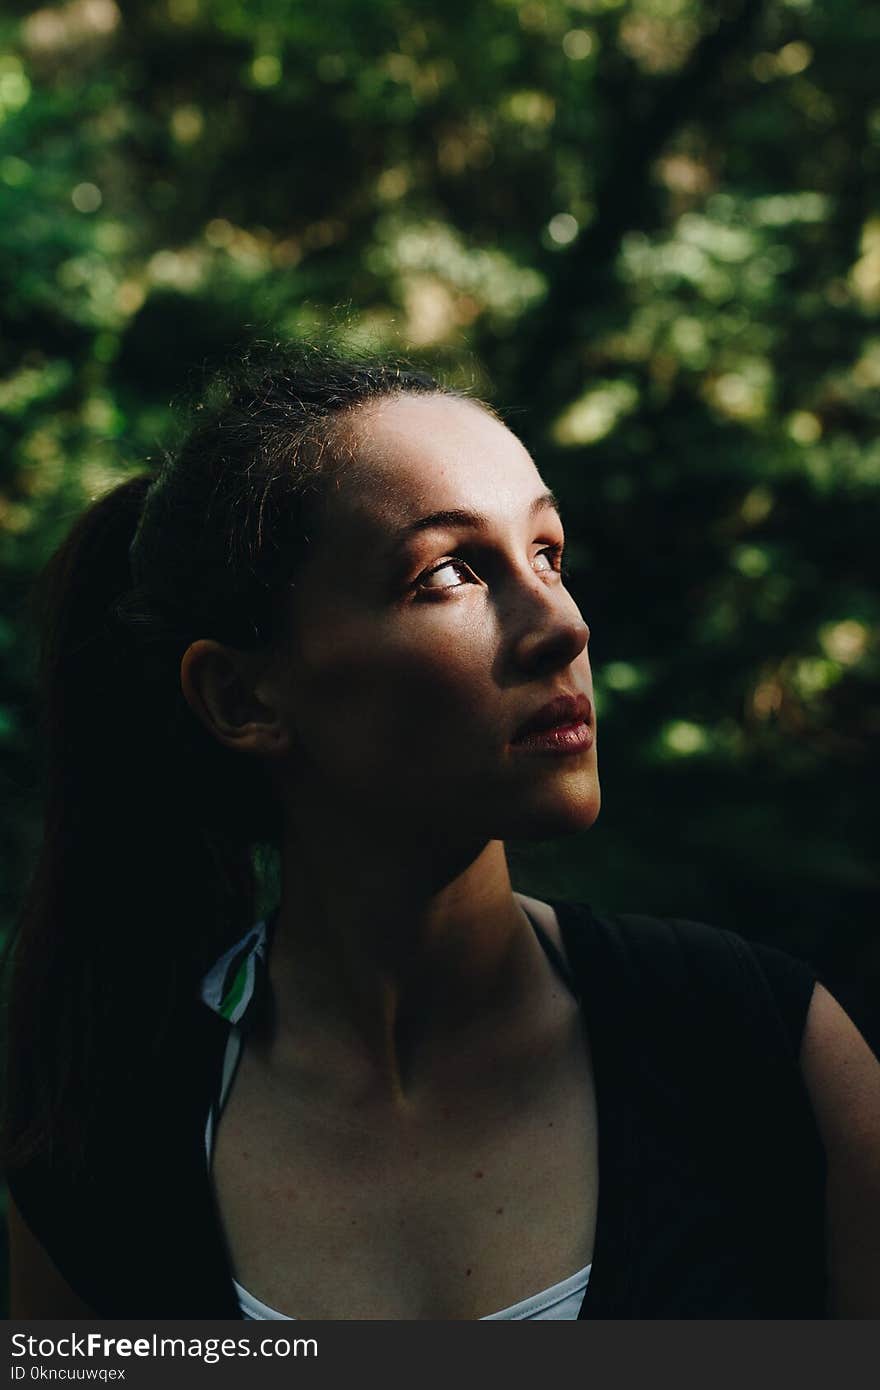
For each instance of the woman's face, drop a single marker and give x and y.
(417, 651)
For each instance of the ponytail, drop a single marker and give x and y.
(130, 892)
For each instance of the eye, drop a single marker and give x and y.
(554, 554)
(551, 553)
(421, 582)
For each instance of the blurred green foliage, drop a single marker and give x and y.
(647, 229)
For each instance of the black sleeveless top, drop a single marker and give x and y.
(711, 1168)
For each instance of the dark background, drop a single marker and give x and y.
(647, 231)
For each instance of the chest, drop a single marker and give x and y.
(453, 1210)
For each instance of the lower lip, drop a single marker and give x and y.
(564, 738)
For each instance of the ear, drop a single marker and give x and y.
(222, 687)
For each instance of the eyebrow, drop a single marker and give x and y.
(447, 520)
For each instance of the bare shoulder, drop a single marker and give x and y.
(842, 1077)
(36, 1288)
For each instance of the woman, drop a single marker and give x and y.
(337, 623)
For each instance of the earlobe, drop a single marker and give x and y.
(218, 685)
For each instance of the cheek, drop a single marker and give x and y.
(391, 691)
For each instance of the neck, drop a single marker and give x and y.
(380, 963)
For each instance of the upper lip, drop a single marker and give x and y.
(565, 709)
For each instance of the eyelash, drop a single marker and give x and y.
(554, 551)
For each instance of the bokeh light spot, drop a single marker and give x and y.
(86, 197)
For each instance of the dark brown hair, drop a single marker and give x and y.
(147, 864)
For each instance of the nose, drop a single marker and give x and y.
(551, 632)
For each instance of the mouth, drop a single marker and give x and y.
(562, 726)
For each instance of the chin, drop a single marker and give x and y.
(557, 817)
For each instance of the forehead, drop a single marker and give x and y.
(418, 454)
